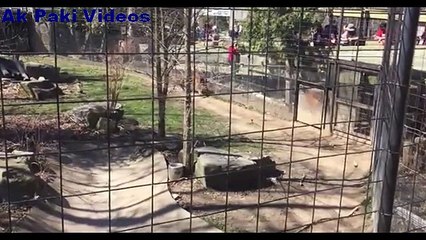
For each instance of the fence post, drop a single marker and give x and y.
(392, 112)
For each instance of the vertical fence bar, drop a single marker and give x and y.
(375, 131)
(229, 126)
(58, 116)
(155, 72)
(393, 131)
(335, 82)
(298, 59)
(320, 139)
(351, 107)
(108, 99)
(377, 127)
(250, 57)
(268, 20)
(6, 157)
(192, 38)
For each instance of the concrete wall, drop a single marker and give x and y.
(311, 107)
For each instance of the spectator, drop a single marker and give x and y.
(236, 31)
(239, 29)
(214, 29)
(198, 32)
(423, 38)
(381, 33)
(348, 34)
(207, 31)
(234, 56)
(232, 33)
(330, 30)
(316, 34)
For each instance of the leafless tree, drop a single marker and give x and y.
(187, 114)
(169, 38)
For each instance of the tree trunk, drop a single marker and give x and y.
(162, 114)
(161, 96)
(129, 25)
(52, 47)
(159, 77)
(187, 143)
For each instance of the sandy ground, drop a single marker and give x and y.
(86, 174)
(292, 209)
(85, 185)
(86, 203)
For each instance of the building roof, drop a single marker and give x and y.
(379, 14)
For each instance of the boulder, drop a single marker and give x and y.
(91, 113)
(172, 142)
(93, 116)
(128, 124)
(40, 89)
(42, 70)
(211, 166)
(22, 183)
(12, 69)
(143, 135)
(103, 123)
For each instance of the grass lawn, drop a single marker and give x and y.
(135, 97)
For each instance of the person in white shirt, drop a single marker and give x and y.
(240, 29)
(348, 34)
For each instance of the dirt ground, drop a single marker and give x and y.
(289, 206)
(135, 200)
(286, 206)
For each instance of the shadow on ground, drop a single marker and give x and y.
(105, 190)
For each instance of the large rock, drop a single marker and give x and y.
(91, 113)
(42, 70)
(106, 124)
(40, 89)
(22, 183)
(143, 136)
(128, 124)
(172, 142)
(12, 69)
(211, 166)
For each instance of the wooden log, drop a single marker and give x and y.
(16, 154)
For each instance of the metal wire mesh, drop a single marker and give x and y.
(160, 126)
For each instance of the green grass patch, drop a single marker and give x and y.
(135, 96)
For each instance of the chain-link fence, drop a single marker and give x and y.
(214, 120)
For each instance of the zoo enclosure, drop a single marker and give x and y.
(347, 102)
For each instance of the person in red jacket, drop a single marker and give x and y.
(381, 33)
(232, 53)
(233, 56)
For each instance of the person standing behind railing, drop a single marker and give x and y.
(348, 35)
(234, 57)
(423, 38)
(381, 33)
(316, 34)
(330, 32)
